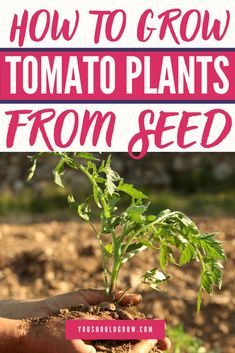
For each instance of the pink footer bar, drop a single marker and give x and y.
(115, 329)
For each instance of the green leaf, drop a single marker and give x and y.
(109, 248)
(84, 211)
(134, 247)
(187, 255)
(199, 300)
(91, 167)
(57, 180)
(164, 213)
(58, 172)
(155, 274)
(132, 250)
(211, 246)
(206, 281)
(100, 180)
(32, 169)
(70, 162)
(154, 278)
(132, 191)
(163, 257)
(111, 176)
(217, 274)
(71, 201)
(181, 239)
(85, 155)
(151, 218)
(147, 243)
(216, 270)
(96, 195)
(135, 212)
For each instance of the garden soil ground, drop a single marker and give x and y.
(43, 259)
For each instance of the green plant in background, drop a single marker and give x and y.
(184, 343)
(172, 235)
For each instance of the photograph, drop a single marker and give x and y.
(102, 236)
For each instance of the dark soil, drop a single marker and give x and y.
(44, 259)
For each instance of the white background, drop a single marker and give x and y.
(126, 127)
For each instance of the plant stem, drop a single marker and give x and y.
(116, 265)
(104, 263)
(113, 282)
(98, 236)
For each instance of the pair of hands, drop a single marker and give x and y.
(40, 339)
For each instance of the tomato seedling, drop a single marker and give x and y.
(131, 230)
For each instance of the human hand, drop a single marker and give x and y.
(84, 296)
(25, 309)
(48, 340)
(93, 297)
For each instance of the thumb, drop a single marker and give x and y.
(82, 347)
(144, 346)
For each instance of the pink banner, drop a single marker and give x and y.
(115, 329)
(125, 75)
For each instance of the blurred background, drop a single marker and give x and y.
(46, 250)
(197, 183)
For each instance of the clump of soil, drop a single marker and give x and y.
(103, 311)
